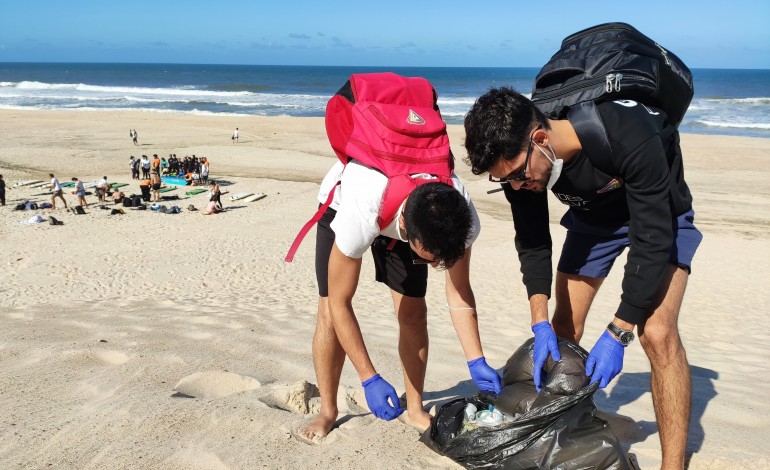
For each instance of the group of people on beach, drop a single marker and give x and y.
(642, 203)
(195, 169)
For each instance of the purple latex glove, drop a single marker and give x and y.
(485, 377)
(605, 360)
(378, 391)
(545, 344)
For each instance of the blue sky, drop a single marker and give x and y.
(706, 33)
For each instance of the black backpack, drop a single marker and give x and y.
(613, 61)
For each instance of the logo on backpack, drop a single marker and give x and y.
(415, 118)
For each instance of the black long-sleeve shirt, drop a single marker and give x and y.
(640, 185)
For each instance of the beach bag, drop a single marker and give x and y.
(20, 207)
(127, 202)
(78, 210)
(30, 206)
(613, 61)
(392, 124)
(136, 200)
(555, 428)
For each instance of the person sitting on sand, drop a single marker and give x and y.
(212, 208)
(118, 196)
(80, 192)
(196, 178)
(188, 178)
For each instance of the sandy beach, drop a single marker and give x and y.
(147, 340)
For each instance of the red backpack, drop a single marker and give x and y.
(390, 123)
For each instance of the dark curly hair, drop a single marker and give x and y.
(498, 125)
(438, 216)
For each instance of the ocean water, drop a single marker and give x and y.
(732, 102)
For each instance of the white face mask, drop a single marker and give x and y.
(557, 165)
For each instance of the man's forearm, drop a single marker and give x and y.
(466, 325)
(349, 335)
(538, 306)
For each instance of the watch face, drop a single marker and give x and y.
(626, 337)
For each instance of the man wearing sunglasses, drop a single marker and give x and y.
(435, 225)
(618, 166)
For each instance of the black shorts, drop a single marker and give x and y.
(392, 261)
(156, 186)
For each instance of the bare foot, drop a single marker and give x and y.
(420, 420)
(319, 426)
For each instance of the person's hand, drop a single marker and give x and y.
(378, 391)
(605, 360)
(485, 377)
(545, 344)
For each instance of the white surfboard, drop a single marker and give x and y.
(39, 185)
(239, 196)
(255, 197)
(91, 184)
(27, 182)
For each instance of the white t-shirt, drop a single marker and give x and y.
(56, 185)
(357, 201)
(102, 182)
(79, 187)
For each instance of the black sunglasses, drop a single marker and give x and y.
(417, 260)
(517, 175)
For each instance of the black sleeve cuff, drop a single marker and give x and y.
(630, 313)
(538, 286)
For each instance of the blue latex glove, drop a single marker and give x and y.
(485, 377)
(378, 391)
(605, 360)
(545, 344)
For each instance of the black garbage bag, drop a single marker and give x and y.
(556, 428)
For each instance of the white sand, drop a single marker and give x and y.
(110, 322)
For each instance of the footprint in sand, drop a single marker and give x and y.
(301, 398)
(214, 384)
(113, 358)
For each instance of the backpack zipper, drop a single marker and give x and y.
(612, 82)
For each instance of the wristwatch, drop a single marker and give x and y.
(624, 337)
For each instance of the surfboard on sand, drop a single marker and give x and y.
(118, 185)
(27, 182)
(255, 197)
(195, 191)
(166, 189)
(40, 184)
(239, 196)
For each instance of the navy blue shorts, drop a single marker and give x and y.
(392, 262)
(593, 254)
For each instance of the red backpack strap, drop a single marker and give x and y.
(309, 224)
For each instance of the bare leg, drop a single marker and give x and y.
(328, 359)
(670, 372)
(574, 295)
(412, 315)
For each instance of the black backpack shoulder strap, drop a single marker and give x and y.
(589, 127)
